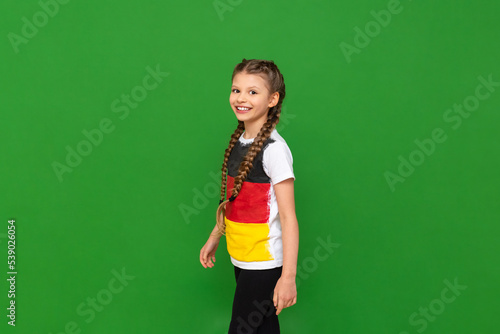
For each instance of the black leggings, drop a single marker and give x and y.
(253, 307)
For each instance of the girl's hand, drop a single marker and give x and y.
(207, 253)
(285, 293)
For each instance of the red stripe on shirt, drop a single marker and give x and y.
(252, 203)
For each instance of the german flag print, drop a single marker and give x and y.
(253, 225)
(247, 217)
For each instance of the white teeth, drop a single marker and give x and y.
(241, 108)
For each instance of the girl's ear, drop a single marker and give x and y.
(273, 100)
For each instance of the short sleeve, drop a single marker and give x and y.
(278, 162)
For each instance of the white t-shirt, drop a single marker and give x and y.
(253, 227)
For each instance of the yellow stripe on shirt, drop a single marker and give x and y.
(248, 242)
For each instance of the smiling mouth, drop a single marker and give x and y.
(243, 110)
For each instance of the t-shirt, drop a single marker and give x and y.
(253, 227)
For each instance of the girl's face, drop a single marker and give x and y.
(250, 98)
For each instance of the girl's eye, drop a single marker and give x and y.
(236, 91)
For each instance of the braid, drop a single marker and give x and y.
(276, 84)
(221, 210)
(234, 139)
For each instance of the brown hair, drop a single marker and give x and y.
(270, 72)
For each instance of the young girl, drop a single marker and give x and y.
(258, 213)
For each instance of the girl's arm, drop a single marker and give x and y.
(285, 293)
(207, 253)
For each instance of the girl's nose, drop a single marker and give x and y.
(241, 98)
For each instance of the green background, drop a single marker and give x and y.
(346, 121)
